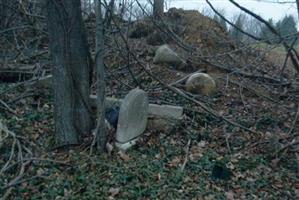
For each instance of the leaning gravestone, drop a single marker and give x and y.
(132, 120)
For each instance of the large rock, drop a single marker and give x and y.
(133, 115)
(165, 55)
(200, 83)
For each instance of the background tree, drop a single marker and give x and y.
(71, 67)
(158, 8)
(221, 21)
(267, 34)
(235, 33)
(287, 27)
(297, 3)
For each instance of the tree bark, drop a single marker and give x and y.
(297, 2)
(71, 67)
(158, 8)
(101, 133)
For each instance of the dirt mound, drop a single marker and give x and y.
(192, 27)
(197, 29)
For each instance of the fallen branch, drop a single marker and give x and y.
(295, 122)
(291, 144)
(6, 107)
(187, 155)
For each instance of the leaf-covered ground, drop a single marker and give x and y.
(152, 169)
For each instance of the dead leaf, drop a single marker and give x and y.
(158, 156)
(274, 162)
(114, 191)
(174, 162)
(123, 156)
(229, 195)
(158, 177)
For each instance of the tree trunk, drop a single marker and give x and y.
(101, 133)
(158, 8)
(71, 67)
(297, 2)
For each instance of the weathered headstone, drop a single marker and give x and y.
(133, 114)
(200, 83)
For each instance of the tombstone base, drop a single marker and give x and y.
(127, 145)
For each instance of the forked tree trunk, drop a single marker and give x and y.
(71, 66)
(158, 8)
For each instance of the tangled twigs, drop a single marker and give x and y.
(5, 134)
(15, 160)
(16, 152)
(187, 155)
(6, 107)
(295, 122)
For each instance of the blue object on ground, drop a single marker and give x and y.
(111, 115)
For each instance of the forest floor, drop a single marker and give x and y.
(201, 157)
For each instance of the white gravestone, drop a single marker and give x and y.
(133, 114)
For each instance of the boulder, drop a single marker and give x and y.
(165, 55)
(200, 83)
(133, 114)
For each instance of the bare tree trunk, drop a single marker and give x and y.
(89, 7)
(70, 56)
(158, 8)
(297, 2)
(101, 133)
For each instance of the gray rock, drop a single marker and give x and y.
(165, 55)
(200, 83)
(166, 111)
(132, 120)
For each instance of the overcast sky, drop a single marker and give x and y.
(264, 7)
